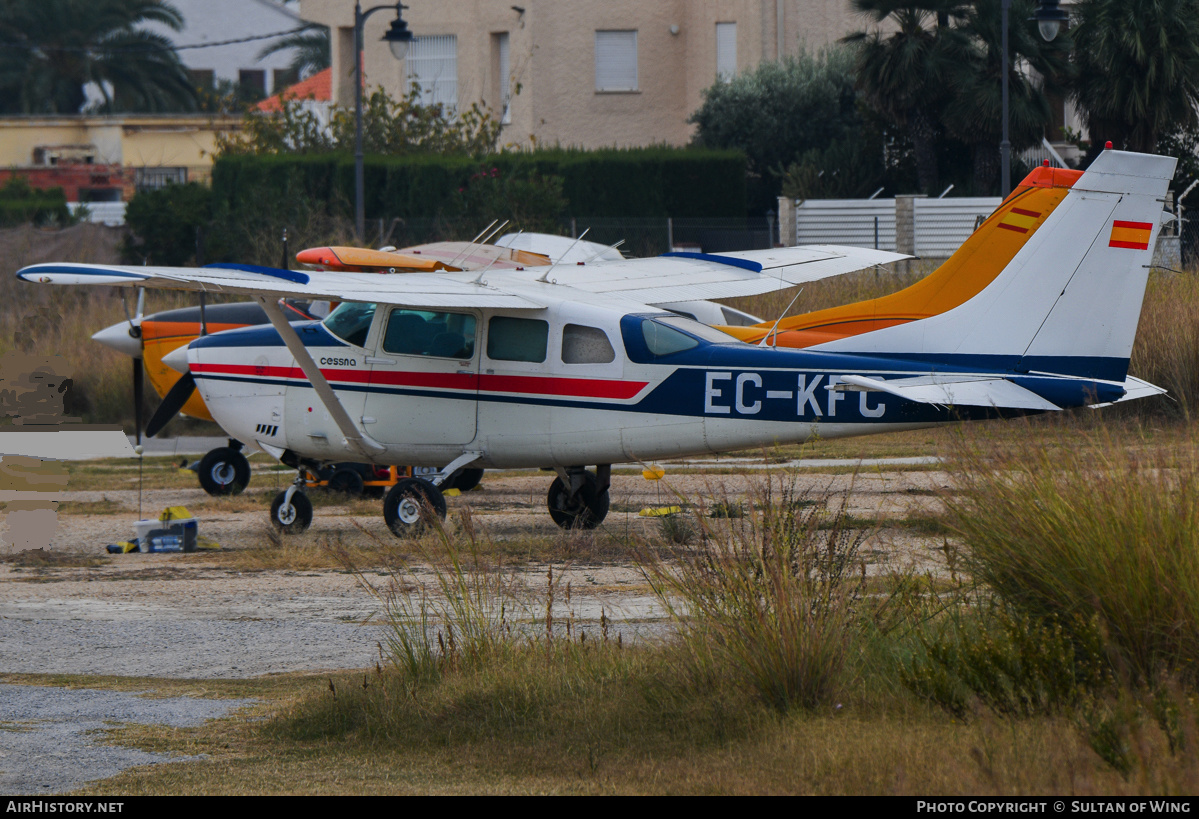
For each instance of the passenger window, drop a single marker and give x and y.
(517, 339)
(426, 333)
(586, 345)
(663, 340)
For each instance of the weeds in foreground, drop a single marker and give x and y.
(1102, 534)
(772, 600)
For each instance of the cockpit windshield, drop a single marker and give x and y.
(351, 322)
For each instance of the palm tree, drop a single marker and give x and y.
(975, 111)
(905, 76)
(54, 48)
(312, 51)
(1138, 69)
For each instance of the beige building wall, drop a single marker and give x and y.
(552, 57)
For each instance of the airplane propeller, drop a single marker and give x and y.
(172, 402)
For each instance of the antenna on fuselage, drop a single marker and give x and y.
(605, 250)
(782, 315)
(475, 240)
(546, 274)
(479, 279)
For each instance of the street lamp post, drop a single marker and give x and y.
(398, 37)
(1049, 17)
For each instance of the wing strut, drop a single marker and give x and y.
(354, 437)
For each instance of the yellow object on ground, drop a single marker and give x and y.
(659, 511)
(175, 513)
(653, 473)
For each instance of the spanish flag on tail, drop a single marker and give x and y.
(1132, 235)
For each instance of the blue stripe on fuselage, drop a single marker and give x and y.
(311, 333)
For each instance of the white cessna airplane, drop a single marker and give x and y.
(568, 366)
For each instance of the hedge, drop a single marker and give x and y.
(641, 182)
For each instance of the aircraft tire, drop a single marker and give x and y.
(293, 518)
(465, 479)
(586, 510)
(223, 471)
(347, 482)
(409, 505)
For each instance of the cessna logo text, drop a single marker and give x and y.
(340, 362)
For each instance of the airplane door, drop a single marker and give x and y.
(424, 379)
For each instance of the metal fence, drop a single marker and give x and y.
(853, 222)
(940, 226)
(929, 228)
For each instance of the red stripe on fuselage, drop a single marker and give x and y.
(521, 384)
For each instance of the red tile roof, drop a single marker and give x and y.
(317, 87)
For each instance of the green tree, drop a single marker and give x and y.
(906, 75)
(1138, 69)
(54, 48)
(974, 110)
(389, 126)
(312, 52)
(781, 111)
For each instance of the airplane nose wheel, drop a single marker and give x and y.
(410, 505)
(291, 515)
(586, 509)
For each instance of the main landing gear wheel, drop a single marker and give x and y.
(464, 479)
(224, 471)
(291, 517)
(347, 482)
(409, 506)
(586, 510)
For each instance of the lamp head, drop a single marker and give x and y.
(1049, 17)
(398, 37)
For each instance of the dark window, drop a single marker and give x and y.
(351, 322)
(202, 78)
(151, 179)
(517, 339)
(427, 333)
(283, 77)
(251, 84)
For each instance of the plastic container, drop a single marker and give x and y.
(166, 536)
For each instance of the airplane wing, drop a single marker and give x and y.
(694, 276)
(956, 391)
(412, 289)
(671, 278)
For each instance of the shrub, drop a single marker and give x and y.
(770, 602)
(1068, 533)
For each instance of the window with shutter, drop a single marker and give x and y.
(505, 77)
(726, 51)
(616, 61)
(432, 63)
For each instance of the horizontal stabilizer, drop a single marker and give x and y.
(956, 391)
(1134, 388)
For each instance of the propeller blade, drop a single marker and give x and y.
(172, 402)
(139, 395)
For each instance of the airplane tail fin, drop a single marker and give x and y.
(962, 276)
(1069, 301)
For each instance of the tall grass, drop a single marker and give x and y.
(770, 601)
(1067, 533)
(1166, 352)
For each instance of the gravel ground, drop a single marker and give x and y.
(49, 742)
(189, 616)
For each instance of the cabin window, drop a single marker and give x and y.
(586, 345)
(351, 322)
(517, 339)
(432, 334)
(663, 340)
